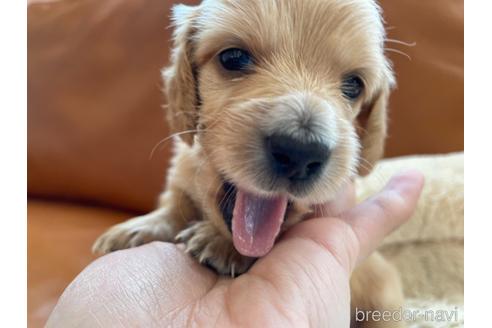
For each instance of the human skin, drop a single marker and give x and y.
(303, 281)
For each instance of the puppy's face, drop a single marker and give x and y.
(288, 98)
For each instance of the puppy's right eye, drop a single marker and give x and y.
(235, 59)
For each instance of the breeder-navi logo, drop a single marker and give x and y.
(407, 315)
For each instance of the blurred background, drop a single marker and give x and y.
(95, 114)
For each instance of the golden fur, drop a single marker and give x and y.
(303, 50)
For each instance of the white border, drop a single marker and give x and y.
(478, 163)
(13, 159)
(478, 124)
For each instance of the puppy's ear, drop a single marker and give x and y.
(180, 77)
(372, 129)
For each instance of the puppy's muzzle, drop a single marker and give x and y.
(294, 160)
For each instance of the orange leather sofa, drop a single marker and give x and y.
(94, 117)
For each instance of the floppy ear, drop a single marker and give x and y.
(180, 78)
(372, 128)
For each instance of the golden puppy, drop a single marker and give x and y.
(277, 104)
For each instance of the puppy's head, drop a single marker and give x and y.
(286, 97)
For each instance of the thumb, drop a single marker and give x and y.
(359, 231)
(378, 216)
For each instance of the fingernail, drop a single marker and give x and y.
(409, 178)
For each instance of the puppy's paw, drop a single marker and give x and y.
(134, 232)
(210, 247)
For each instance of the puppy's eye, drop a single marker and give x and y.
(352, 87)
(235, 59)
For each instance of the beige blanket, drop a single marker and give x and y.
(428, 250)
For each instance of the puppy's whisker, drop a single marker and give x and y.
(217, 191)
(160, 143)
(369, 164)
(399, 52)
(163, 141)
(408, 44)
(365, 163)
(374, 173)
(225, 198)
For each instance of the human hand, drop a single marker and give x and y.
(303, 281)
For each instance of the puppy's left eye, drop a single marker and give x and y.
(352, 87)
(235, 59)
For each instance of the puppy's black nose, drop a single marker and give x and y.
(294, 159)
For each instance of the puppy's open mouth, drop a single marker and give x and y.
(254, 220)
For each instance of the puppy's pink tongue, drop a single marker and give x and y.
(256, 222)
